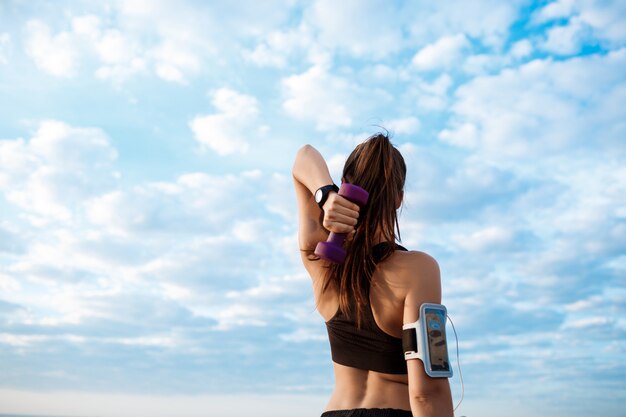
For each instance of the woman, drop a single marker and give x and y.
(380, 286)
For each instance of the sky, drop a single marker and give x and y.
(149, 263)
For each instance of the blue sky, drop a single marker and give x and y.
(148, 251)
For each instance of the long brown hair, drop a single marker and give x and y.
(378, 167)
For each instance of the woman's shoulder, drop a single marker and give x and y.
(420, 258)
(415, 267)
(415, 257)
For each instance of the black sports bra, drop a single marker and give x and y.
(369, 347)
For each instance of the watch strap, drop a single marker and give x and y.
(326, 189)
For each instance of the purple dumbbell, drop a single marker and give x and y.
(332, 250)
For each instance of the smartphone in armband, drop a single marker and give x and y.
(426, 340)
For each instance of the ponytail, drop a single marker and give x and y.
(378, 167)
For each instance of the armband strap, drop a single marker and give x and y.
(410, 345)
(409, 340)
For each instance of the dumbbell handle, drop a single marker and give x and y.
(336, 238)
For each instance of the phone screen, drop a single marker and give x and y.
(437, 345)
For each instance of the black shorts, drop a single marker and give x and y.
(368, 412)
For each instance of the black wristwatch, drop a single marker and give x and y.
(321, 195)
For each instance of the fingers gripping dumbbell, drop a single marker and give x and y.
(332, 250)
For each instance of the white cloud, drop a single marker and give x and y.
(564, 40)
(584, 305)
(403, 126)
(606, 19)
(117, 54)
(120, 73)
(304, 335)
(56, 55)
(464, 135)
(279, 46)
(272, 288)
(601, 20)
(439, 86)
(366, 29)
(188, 34)
(170, 73)
(188, 20)
(487, 21)
(316, 95)
(226, 131)
(384, 73)
(230, 102)
(328, 100)
(264, 56)
(238, 315)
(441, 188)
(486, 63)
(521, 49)
(250, 230)
(434, 96)
(114, 48)
(133, 250)
(58, 167)
(480, 64)
(444, 53)
(589, 322)
(175, 292)
(483, 239)
(213, 213)
(10, 242)
(243, 307)
(280, 201)
(572, 217)
(194, 203)
(541, 107)
(337, 162)
(431, 96)
(554, 10)
(87, 25)
(174, 60)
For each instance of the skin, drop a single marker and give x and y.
(399, 286)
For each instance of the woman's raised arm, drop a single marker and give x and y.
(310, 172)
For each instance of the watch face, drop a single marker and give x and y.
(318, 195)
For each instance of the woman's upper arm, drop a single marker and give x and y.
(424, 286)
(309, 172)
(310, 229)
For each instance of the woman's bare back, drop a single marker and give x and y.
(359, 388)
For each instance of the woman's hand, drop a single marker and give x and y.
(340, 214)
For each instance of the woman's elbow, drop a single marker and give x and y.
(304, 150)
(436, 399)
(424, 397)
(299, 156)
